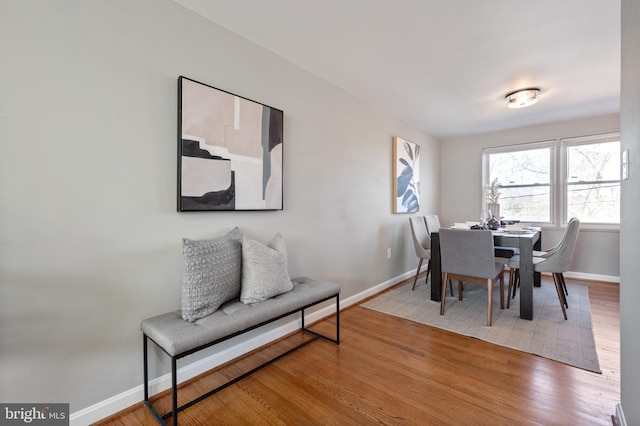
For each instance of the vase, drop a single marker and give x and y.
(494, 210)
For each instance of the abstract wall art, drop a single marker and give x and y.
(229, 151)
(406, 176)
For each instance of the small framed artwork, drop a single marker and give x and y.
(229, 151)
(406, 176)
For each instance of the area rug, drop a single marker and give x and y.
(549, 335)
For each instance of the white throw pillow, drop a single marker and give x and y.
(264, 270)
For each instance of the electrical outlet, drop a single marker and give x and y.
(389, 253)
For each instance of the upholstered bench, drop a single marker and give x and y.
(207, 319)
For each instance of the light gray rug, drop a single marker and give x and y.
(548, 335)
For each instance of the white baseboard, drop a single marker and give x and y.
(620, 420)
(134, 396)
(356, 298)
(592, 277)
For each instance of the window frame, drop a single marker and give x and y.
(564, 145)
(558, 174)
(551, 145)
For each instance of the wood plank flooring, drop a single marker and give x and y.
(388, 370)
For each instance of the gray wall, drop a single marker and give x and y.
(629, 230)
(90, 240)
(597, 253)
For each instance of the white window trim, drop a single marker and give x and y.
(558, 175)
(563, 144)
(552, 144)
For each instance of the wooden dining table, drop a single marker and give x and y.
(525, 242)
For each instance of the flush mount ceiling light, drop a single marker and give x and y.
(522, 98)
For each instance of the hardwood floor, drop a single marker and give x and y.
(388, 370)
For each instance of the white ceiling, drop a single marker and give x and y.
(445, 66)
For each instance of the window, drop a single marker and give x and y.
(592, 182)
(524, 177)
(552, 181)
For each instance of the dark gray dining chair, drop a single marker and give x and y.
(469, 256)
(557, 261)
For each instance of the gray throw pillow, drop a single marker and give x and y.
(211, 274)
(264, 270)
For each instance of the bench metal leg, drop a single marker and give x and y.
(175, 409)
(174, 391)
(160, 418)
(146, 368)
(337, 320)
(318, 335)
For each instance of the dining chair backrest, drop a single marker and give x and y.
(421, 240)
(560, 258)
(564, 237)
(433, 223)
(467, 252)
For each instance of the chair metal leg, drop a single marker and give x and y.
(514, 278)
(502, 291)
(443, 292)
(490, 303)
(417, 273)
(564, 286)
(561, 283)
(509, 288)
(560, 292)
(428, 271)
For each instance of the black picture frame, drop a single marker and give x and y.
(230, 151)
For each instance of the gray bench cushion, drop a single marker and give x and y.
(177, 336)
